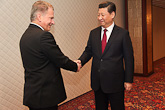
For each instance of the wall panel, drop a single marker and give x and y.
(158, 33)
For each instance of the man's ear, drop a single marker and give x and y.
(113, 15)
(39, 17)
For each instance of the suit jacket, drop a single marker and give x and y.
(42, 60)
(108, 71)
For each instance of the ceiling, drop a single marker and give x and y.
(159, 3)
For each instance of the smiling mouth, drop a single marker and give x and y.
(101, 21)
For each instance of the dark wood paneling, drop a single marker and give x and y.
(159, 3)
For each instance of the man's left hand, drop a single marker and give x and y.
(128, 86)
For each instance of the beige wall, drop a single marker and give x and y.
(158, 33)
(73, 21)
(135, 31)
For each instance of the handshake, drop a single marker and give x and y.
(78, 64)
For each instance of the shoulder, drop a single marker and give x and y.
(45, 35)
(37, 30)
(122, 30)
(96, 29)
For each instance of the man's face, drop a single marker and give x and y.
(105, 18)
(47, 19)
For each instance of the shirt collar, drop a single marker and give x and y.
(37, 25)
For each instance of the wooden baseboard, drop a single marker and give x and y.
(159, 61)
(152, 72)
(143, 75)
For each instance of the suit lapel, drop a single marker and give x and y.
(98, 40)
(111, 39)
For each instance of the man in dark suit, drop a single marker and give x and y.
(109, 45)
(42, 60)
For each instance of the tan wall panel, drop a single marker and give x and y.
(158, 33)
(135, 30)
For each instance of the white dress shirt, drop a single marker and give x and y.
(108, 32)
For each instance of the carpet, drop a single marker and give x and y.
(148, 93)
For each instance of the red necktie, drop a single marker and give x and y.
(104, 40)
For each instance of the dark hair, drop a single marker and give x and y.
(111, 6)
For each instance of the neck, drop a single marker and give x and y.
(108, 25)
(36, 22)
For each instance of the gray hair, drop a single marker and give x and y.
(39, 6)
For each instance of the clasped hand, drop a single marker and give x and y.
(78, 64)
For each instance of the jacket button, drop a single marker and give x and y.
(99, 70)
(101, 59)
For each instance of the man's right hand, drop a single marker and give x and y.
(78, 64)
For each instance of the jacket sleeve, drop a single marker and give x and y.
(128, 58)
(55, 55)
(87, 54)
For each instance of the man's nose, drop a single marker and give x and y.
(53, 22)
(99, 17)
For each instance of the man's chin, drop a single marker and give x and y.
(102, 24)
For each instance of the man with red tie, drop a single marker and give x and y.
(111, 49)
